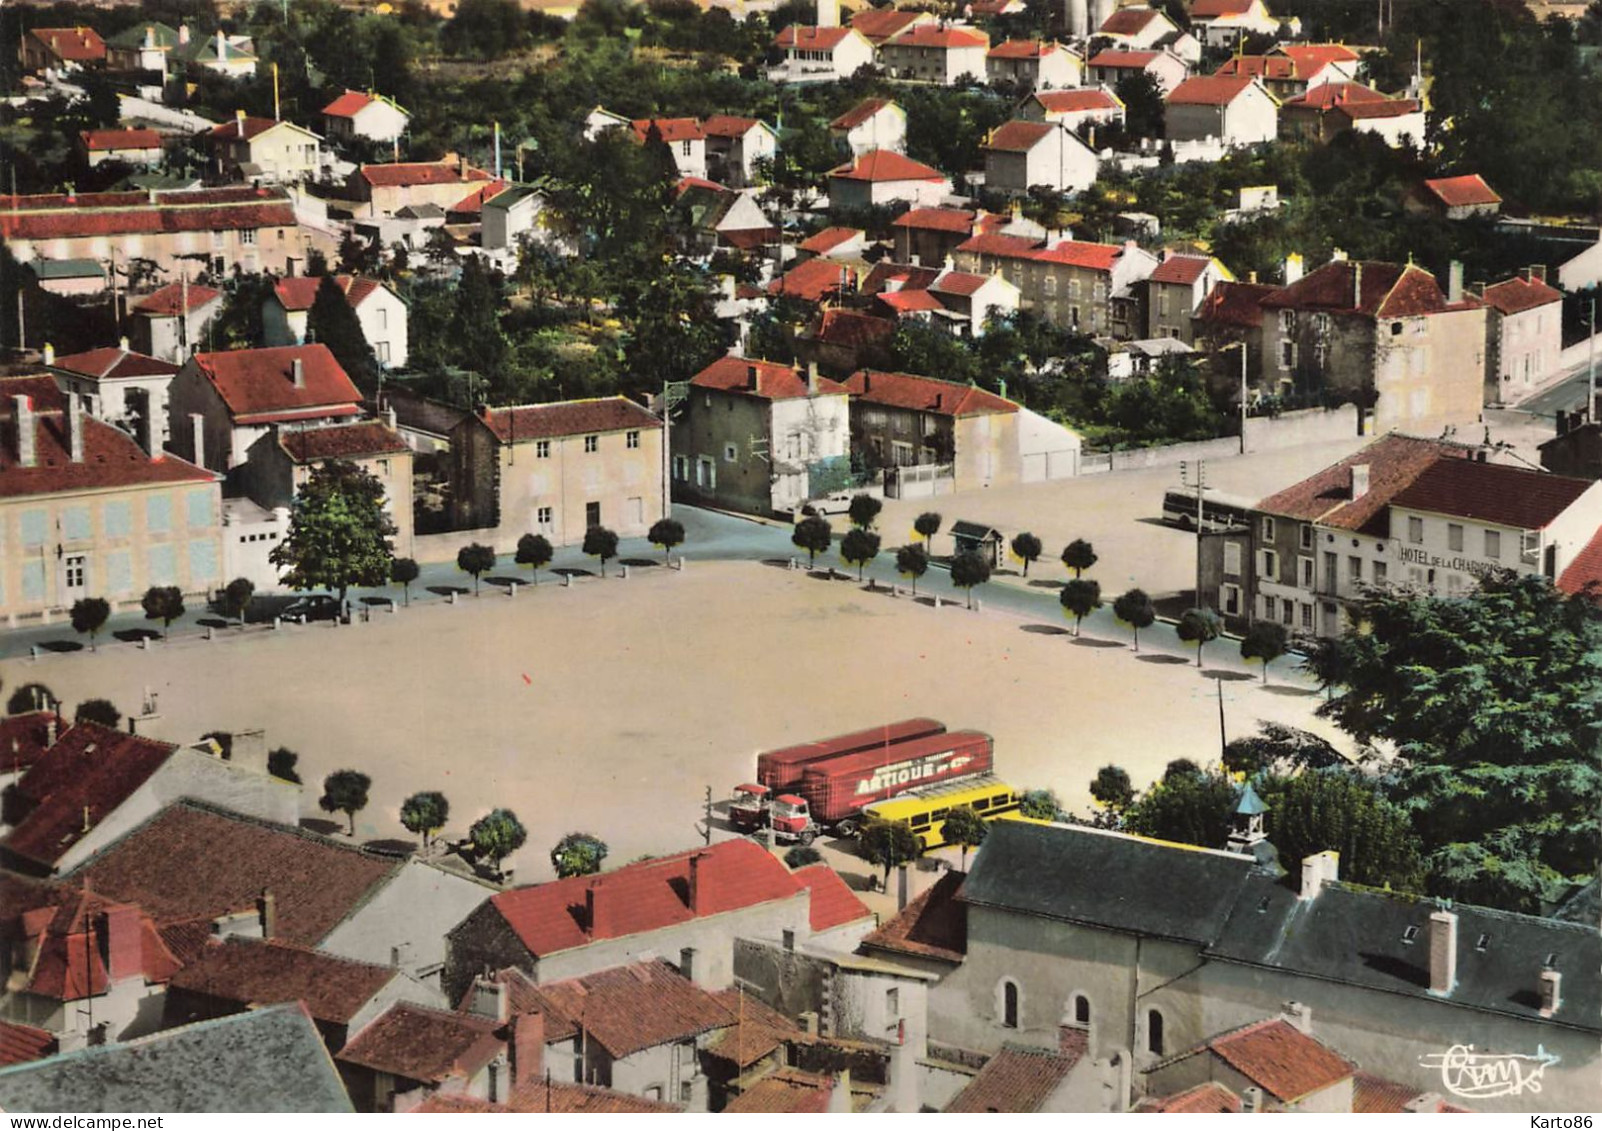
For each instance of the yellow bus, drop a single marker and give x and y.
(925, 808)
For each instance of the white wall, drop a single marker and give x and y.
(410, 914)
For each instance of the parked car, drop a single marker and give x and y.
(319, 606)
(839, 502)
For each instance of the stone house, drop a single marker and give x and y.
(131, 147)
(1089, 106)
(119, 386)
(381, 313)
(874, 123)
(1236, 110)
(1399, 121)
(410, 1053)
(1292, 69)
(1232, 315)
(734, 146)
(62, 49)
(960, 432)
(820, 54)
(1108, 68)
(1523, 333)
(1221, 23)
(1276, 1066)
(941, 54)
(220, 404)
(1384, 335)
(85, 512)
(685, 138)
(927, 236)
(1136, 28)
(882, 177)
(1457, 198)
(1311, 115)
(364, 114)
(1090, 286)
(264, 151)
(170, 323)
(1034, 64)
(1176, 289)
(557, 470)
(383, 190)
(760, 437)
(880, 25)
(1021, 155)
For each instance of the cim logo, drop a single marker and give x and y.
(919, 769)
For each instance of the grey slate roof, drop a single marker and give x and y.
(268, 1060)
(1355, 936)
(1118, 882)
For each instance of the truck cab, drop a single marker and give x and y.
(791, 819)
(748, 807)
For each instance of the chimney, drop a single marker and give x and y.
(753, 376)
(595, 912)
(183, 33)
(124, 946)
(51, 730)
(1357, 285)
(267, 910)
(22, 410)
(1300, 1015)
(840, 1098)
(812, 378)
(297, 373)
(122, 343)
(1317, 870)
(1251, 1099)
(1454, 281)
(197, 438)
(75, 427)
(528, 1047)
(488, 999)
(49, 354)
(1551, 992)
(390, 419)
(1001, 387)
(1538, 272)
(1360, 480)
(687, 963)
(239, 122)
(222, 47)
(695, 883)
(1251, 277)
(1443, 952)
(1293, 268)
(150, 36)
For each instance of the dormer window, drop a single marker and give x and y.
(1409, 935)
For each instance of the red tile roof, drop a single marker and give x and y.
(925, 394)
(349, 104)
(1023, 49)
(879, 24)
(1326, 96)
(243, 129)
(814, 279)
(70, 945)
(1183, 270)
(1213, 9)
(168, 301)
(256, 972)
(124, 213)
(933, 925)
(299, 292)
(24, 738)
(728, 125)
(959, 283)
(1388, 290)
(360, 440)
(937, 220)
(111, 458)
(112, 363)
(1492, 493)
(258, 385)
(72, 44)
(85, 776)
(789, 1091)
(1393, 461)
(862, 111)
(882, 165)
(687, 183)
(1518, 294)
(1127, 21)
(1235, 304)
(1077, 101)
(191, 862)
(757, 1030)
(909, 276)
(1281, 1059)
(1390, 108)
(20, 1044)
(1021, 1079)
(626, 1009)
(525, 423)
(1018, 136)
(830, 238)
(1262, 66)
(537, 1097)
(1003, 246)
(1204, 1099)
(420, 173)
(1078, 253)
(1457, 192)
(650, 895)
(473, 203)
(673, 130)
(833, 903)
(909, 301)
(940, 38)
(97, 141)
(1374, 1095)
(430, 1045)
(1210, 90)
(1137, 60)
(804, 38)
(1310, 58)
(1584, 573)
(852, 329)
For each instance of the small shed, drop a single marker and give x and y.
(983, 540)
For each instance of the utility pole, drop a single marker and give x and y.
(1590, 368)
(1201, 486)
(1223, 742)
(706, 830)
(1243, 353)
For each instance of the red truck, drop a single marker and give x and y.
(779, 772)
(836, 789)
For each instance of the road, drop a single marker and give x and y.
(1568, 392)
